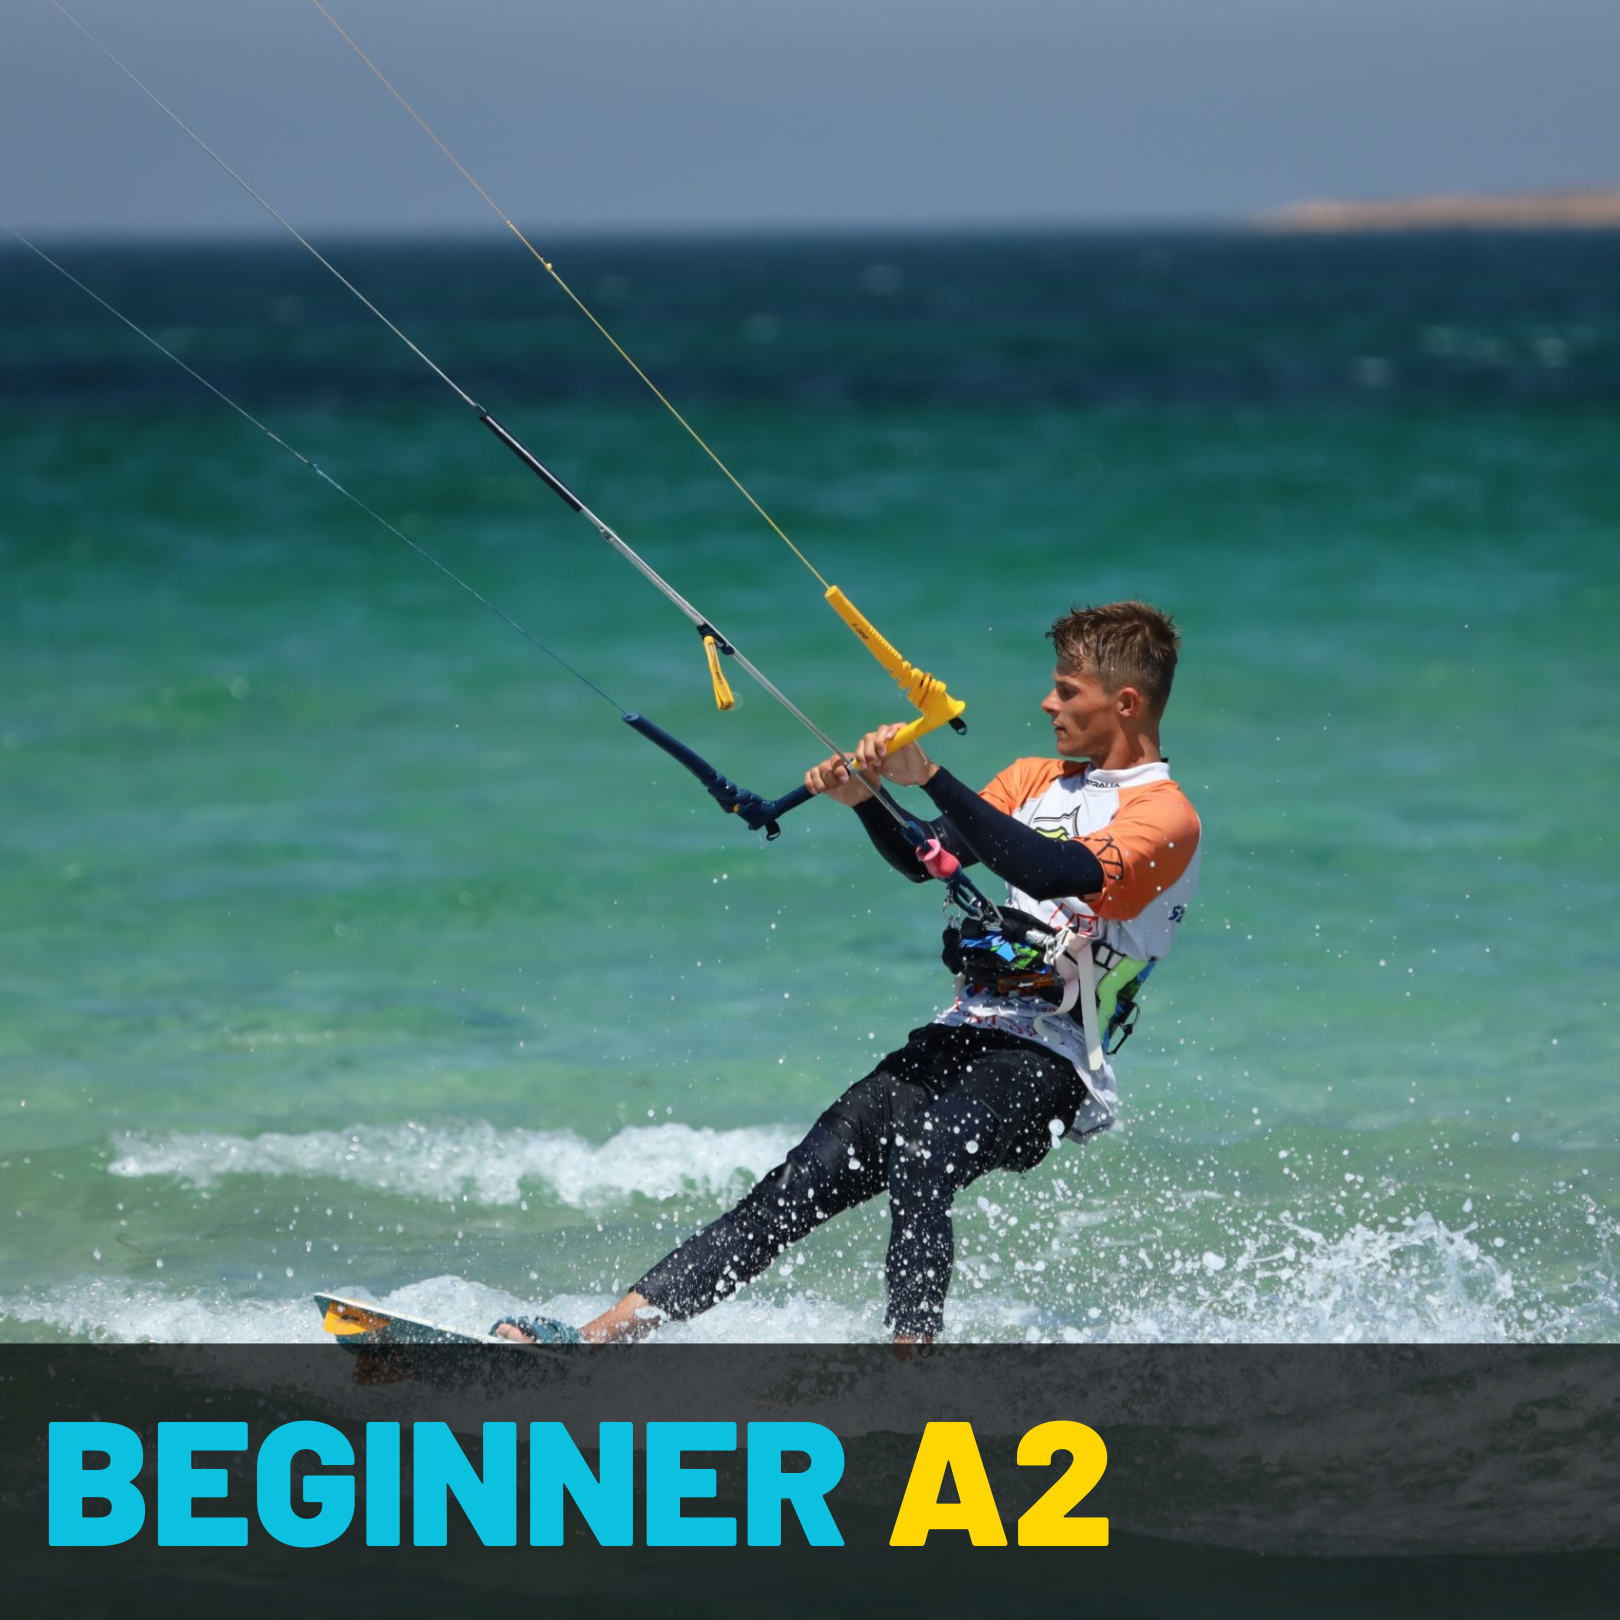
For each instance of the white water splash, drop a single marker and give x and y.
(121, 1313)
(1177, 1266)
(1418, 1283)
(1424, 1284)
(116, 1313)
(476, 1161)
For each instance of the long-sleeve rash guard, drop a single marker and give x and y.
(975, 831)
(1072, 842)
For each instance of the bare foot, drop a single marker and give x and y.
(632, 1318)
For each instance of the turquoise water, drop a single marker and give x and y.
(347, 941)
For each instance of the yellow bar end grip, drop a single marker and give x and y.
(922, 691)
(723, 697)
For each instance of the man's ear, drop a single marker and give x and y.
(1130, 702)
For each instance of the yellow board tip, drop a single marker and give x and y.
(343, 1321)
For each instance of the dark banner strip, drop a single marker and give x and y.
(180, 1468)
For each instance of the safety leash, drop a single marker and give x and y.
(962, 892)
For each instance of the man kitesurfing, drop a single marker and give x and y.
(1099, 849)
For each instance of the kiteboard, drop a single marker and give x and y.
(358, 1322)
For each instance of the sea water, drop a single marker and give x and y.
(350, 943)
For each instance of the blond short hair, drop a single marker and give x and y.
(1122, 644)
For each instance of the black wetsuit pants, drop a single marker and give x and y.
(930, 1118)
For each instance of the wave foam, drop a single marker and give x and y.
(1420, 1283)
(1425, 1284)
(475, 1161)
(118, 1313)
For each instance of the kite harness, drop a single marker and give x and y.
(1023, 956)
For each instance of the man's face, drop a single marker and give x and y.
(1084, 714)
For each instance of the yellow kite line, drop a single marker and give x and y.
(922, 690)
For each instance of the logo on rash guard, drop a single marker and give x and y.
(1062, 827)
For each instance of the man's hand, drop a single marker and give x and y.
(909, 767)
(833, 777)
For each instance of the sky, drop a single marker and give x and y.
(630, 115)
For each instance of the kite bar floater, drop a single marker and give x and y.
(922, 690)
(761, 815)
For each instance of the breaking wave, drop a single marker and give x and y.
(1143, 1264)
(474, 1161)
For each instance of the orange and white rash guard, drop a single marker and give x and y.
(1144, 834)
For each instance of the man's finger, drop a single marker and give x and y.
(870, 749)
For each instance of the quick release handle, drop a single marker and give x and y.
(923, 691)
